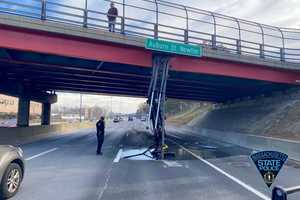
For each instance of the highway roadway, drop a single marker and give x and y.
(67, 168)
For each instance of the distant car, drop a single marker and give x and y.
(130, 118)
(116, 120)
(143, 119)
(11, 170)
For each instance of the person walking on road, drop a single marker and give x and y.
(112, 15)
(100, 125)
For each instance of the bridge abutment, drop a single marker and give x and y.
(24, 110)
(25, 95)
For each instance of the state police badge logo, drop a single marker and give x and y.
(269, 163)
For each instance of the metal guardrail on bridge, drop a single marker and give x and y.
(170, 21)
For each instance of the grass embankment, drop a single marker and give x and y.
(185, 117)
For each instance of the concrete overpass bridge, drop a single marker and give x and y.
(46, 47)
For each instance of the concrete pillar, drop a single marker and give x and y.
(23, 112)
(46, 113)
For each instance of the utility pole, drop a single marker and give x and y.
(80, 107)
(111, 110)
(120, 106)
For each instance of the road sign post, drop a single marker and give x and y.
(157, 89)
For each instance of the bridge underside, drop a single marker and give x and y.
(45, 72)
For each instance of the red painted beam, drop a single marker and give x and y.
(233, 69)
(43, 42)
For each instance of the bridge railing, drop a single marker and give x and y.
(161, 19)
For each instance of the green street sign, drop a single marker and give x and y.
(172, 47)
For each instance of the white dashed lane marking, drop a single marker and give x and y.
(41, 154)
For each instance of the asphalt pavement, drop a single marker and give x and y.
(67, 167)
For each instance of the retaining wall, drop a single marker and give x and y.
(277, 116)
(22, 135)
(291, 148)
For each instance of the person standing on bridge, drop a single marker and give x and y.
(112, 15)
(100, 125)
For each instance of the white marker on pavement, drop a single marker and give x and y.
(118, 156)
(172, 163)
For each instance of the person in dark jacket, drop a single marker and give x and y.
(100, 125)
(112, 17)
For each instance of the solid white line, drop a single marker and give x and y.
(108, 174)
(118, 156)
(41, 154)
(241, 183)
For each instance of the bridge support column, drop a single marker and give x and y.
(25, 95)
(46, 113)
(23, 112)
(156, 100)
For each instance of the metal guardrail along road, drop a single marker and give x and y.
(164, 20)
